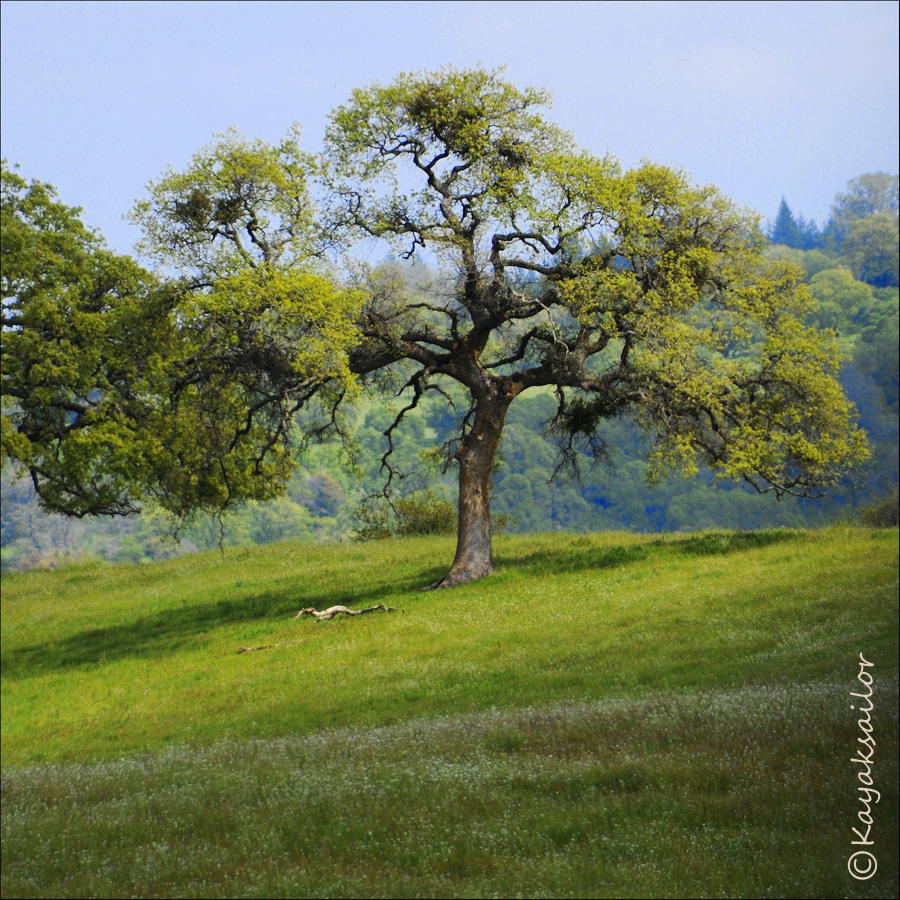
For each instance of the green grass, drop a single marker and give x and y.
(609, 715)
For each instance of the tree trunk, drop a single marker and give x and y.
(474, 556)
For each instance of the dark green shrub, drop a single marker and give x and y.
(417, 514)
(375, 518)
(885, 514)
(424, 513)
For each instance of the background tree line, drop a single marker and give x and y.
(861, 234)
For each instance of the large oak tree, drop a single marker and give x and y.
(628, 293)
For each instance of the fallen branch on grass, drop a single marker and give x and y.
(268, 646)
(332, 611)
(323, 616)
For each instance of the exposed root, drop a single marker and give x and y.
(332, 611)
(440, 583)
(457, 577)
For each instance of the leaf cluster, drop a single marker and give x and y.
(121, 386)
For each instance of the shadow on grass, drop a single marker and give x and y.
(155, 636)
(711, 543)
(714, 543)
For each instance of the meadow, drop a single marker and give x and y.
(609, 715)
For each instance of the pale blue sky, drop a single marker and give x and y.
(762, 99)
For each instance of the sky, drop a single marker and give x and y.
(763, 99)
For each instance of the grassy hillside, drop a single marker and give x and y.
(609, 715)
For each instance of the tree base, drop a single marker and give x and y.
(460, 576)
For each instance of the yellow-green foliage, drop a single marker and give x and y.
(725, 370)
(118, 385)
(84, 336)
(631, 293)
